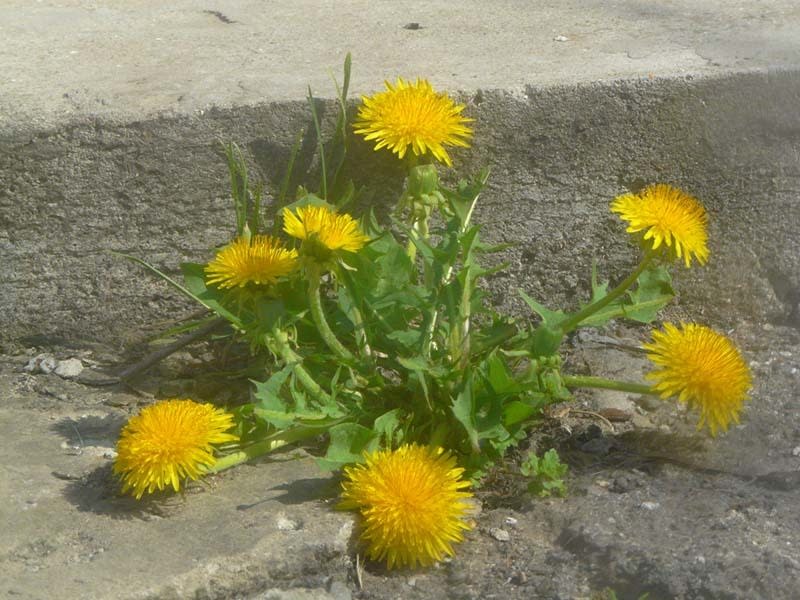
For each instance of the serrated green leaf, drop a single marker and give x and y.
(545, 473)
(462, 201)
(599, 290)
(653, 292)
(267, 391)
(195, 280)
(551, 465)
(550, 318)
(386, 425)
(271, 407)
(516, 412)
(348, 442)
(499, 376)
(409, 339)
(463, 408)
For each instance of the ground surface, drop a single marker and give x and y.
(110, 121)
(70, 59)
(653, 507)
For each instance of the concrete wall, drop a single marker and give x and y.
(158, 189)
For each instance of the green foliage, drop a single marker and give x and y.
(396, 343)
(653, 292)
(546, 474)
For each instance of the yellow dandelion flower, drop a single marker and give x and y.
(703, 369)
(169, 442)
(667, 216)
(411, 502)
(260, 260)
(413, 115)
(334, 231)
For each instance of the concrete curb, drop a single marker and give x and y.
(157, 188)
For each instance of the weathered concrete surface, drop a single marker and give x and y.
(645, 514)
(110, 118)
(67, 534)
(68, 59)
(157, 189)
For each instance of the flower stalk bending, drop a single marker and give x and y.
(318, 315)
(587, 311)
(573, 381)
(278, 342)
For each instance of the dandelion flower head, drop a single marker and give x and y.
(260, 260)
(169, 442)
(334, 231)
(412, 115)
(703, 369)
(412, 504)
(667, 216)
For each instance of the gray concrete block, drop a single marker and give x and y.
(157, 189)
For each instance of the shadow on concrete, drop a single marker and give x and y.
(90, 430)
(100, 492)
(308, 490)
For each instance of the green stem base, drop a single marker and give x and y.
(573, 381)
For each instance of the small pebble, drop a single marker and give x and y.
(519, 578)
(642, 422)
(72, 367)
(649, 403)
(41, 363)
(501, 535)
(796, 451)
(283, 523)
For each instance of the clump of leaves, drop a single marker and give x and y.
(545, 474)
(380, 334)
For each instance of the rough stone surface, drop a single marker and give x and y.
(129, 62)
(71, 367)
(667, 514)
(157, 189)
(110, 121)
(110, 127)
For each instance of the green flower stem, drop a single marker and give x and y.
(411, 250)
(279, 343)
(345, 276)
(265, 446)
(422, 228)
(590, 309)
(465, 301)
(318, 315)
(355, 312)
(573, 381)
(361, 332)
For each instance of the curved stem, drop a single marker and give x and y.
(280, 345)
(592, 308)
(573, 381)
(422, 228)
(355, 312)
(262, 447)
(242, 456)
(318, 315)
